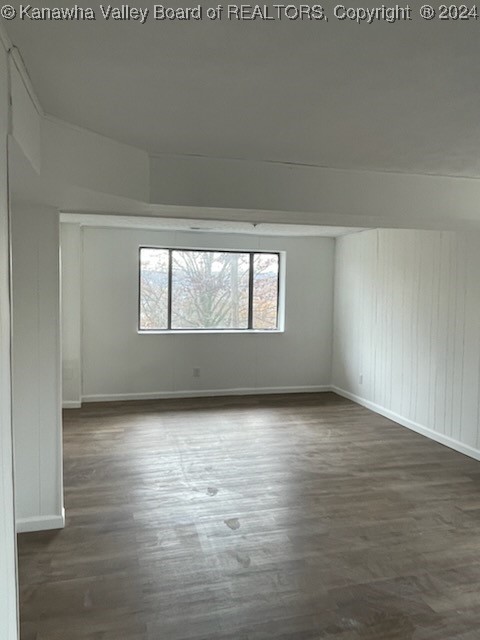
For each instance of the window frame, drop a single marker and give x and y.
(249, 329)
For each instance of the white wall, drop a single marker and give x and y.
(117, 362)
(8, 582)
(36, 368)
(407, 329)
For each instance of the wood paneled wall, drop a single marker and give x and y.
(407, 329)
(36, 368)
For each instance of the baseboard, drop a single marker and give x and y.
(41, 523)
(391, 415)
(71, 404)
(204, 393)
(410, 424)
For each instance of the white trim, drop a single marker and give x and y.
(207, 332)
(71, 404)
(410, 424)
(391, 415)
(247, 391)
(41, 523)
(203, 225)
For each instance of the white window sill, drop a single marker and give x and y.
(201, 332)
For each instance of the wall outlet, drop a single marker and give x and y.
(196, 372)
(360, 378)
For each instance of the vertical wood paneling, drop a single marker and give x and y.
(452, 328)
(416, 324)
(71, 269)
(459, 338)
(407, 320)
(468, 433)
(408, 325)
(37, 424)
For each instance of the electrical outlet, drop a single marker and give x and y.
(196, 372)
(360, 378)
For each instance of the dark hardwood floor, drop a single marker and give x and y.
(299, 517)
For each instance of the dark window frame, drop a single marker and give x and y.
(169, 328)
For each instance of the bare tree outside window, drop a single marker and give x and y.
(200, 290)
(154, 289)
(265, 290)
(209, 290)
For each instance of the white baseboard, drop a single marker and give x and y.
(203, 393)
(41, 523)
(71, 404)
(414, 426)
(391, 415)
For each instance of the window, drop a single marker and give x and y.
(194, 290)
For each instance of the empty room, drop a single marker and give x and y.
(239, 322)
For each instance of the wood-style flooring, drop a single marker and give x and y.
(301, 517)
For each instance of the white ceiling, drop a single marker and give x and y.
(394, 97)
(212, 226)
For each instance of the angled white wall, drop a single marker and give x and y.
(118, 363)
(315, 195)
(74, 156)
(407, 338)
(26, 120)
(36, 368)
(78, 170)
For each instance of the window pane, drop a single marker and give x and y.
(153, 289)
(209, 290)
(265, 290)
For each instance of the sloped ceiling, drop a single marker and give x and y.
(392, 97)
